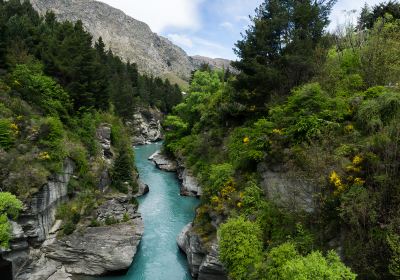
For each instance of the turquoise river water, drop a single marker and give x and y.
(165, 213)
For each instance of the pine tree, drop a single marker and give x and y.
(278, 51)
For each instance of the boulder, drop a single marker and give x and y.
(143, 188)
(163, 162)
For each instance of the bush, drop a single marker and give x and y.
(110, 221)
(240, 247)
(7, 136)
(69, 228)
(10, 207)
(285, 263)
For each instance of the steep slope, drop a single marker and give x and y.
(128, 38)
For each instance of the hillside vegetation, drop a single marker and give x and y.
(320, 110)
(56, 90)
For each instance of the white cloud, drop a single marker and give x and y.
(162, 14)
(182, 40)
(227, 25)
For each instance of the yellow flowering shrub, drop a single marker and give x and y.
(357, 160)
(277, 131)
(349, 128)
(359, 181)
(246, 140)
(44, 156)
(335, 179)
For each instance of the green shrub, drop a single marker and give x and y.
(10, 207)
(285, 263)
(219, 175)
(69, 228)
(248, 145)
(240, 247)
(7, 135)
(110, 221)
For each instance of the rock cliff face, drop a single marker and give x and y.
(146, 126)
(38, 253)
(128, 38)
(203, 263)
(287, 190)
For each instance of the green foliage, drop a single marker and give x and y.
(122, 172)
(7, 135)
(280, 49)
(110, 220)
(10, 207)
(5, 231)
(240, 246)
(393, 241)
(247, 145)
(219, 175)
(284, 262)
(41, 90)
(69, 228)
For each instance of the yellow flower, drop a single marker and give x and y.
(44, 156)
(359, 181)
(246, 140)
(277, 131)
(239, 205)
(215, 199)
(337, 182)
(349, 128)
(357, 160)
(14, 128)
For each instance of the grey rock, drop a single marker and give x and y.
(203, 263)
(96, 251)
(39, 215)
(118, 208)
(143, 188)
(286, 190)
(146, 127)
(162, 162)
(128, 38)
(103, 134)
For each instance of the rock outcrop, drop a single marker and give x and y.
(97, 251)
(36, 221)
(286, 189)
(89, 250)
(190, 186)
(203, 263)
(146, 126)
(128, 38)
(162, 162)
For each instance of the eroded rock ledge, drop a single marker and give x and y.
(89, 250)
(203, 263)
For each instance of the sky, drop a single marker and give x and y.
(212, 27)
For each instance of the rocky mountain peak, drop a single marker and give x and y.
(128, 38)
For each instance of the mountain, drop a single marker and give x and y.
(129, 38)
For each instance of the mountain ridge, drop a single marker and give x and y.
(129, 38)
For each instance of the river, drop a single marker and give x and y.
(165, 213)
